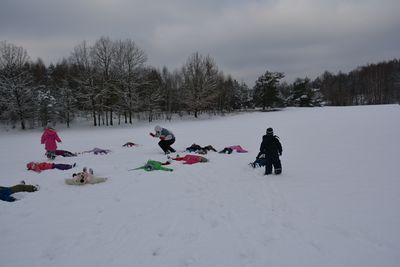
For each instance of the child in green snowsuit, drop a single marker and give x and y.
(153, 165)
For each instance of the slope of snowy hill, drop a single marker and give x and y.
(335, 204)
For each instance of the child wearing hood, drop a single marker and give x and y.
(85, 177)
(49, 139)
(41, 166)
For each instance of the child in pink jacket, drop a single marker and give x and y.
(50, 139)
(230, 149)
(191, 159)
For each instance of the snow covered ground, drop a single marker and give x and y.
(336, 203)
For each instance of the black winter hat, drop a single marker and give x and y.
(270, 131)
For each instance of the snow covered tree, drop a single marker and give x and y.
(16, 84)
(84, 67)
(150, 92)
(103, 55)
(303, 95)
(64, 90)
(200, 80)
(170, 84)
(266, 93)
(127, 65)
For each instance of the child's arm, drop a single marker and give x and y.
(58, 138)
(165, 169)
(43, 138)
(96, 180)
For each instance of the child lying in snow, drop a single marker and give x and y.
(153, 165)
(6, 192)
(191, 159)
(259, 162)
(200, 150)
(129, 144)
(84, 177)
(41, 166)
(98, 151)
(229, 149)
(65, 153)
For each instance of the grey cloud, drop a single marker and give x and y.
(300, 38)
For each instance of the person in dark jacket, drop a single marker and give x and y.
(271, 147)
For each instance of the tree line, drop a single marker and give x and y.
(110, 83)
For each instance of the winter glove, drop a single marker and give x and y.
(152, 134)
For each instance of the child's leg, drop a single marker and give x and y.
(5, 194)
(63, 167)
(69, 154)
(169, 143)
(22, 188)
(277, 165)
(51, 154)
(164, 145)
(268, 165)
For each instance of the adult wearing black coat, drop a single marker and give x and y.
(271, 147)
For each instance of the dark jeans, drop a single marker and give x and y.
(166, 145)
(273, 161)
(62, 166)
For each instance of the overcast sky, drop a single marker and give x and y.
(245, 37)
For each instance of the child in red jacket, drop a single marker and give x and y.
(41, 166)
(49, 139)
(191, 159)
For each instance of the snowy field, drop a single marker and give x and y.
(335, 204)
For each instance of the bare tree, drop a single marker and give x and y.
(103, 54)
(150, 92)
(16, 92)
(85, 77)
(128, 64)
(200, 78)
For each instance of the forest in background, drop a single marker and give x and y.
(110, 82)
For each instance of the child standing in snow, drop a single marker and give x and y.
(49, 139)
(272, 149)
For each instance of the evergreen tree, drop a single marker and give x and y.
(266, 92)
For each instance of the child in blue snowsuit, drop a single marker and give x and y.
(6, 192)
(259, 162)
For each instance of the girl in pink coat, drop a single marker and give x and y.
(50, 139)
